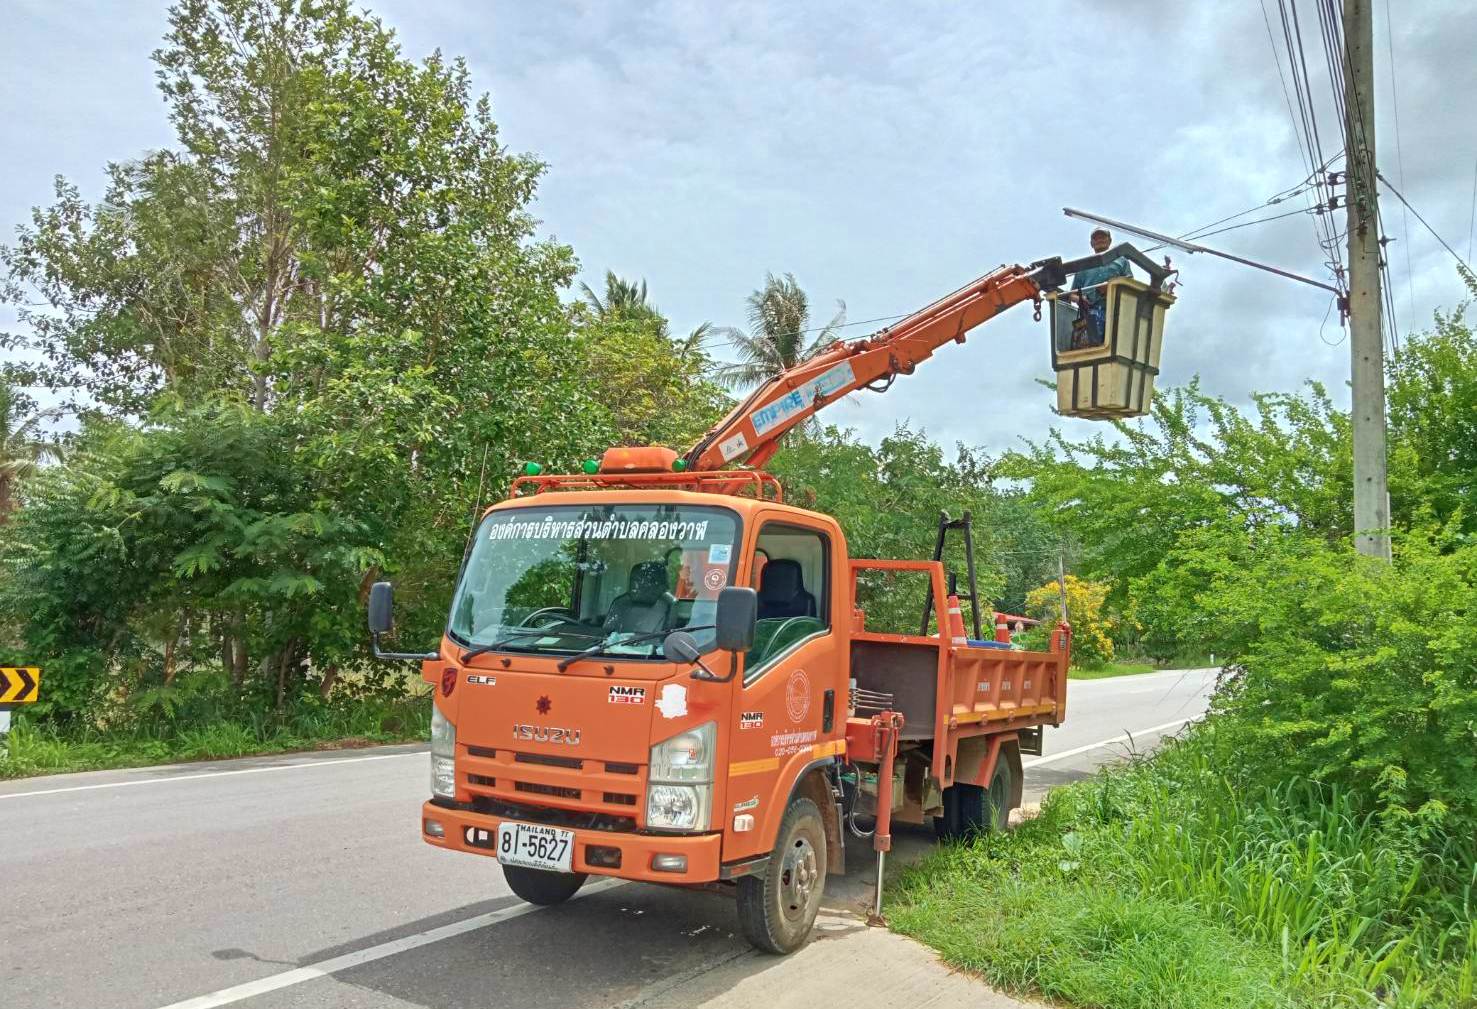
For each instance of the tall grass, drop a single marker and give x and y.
(1295, 894)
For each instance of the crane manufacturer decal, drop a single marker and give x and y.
(802, 399)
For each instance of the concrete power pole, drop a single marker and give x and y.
(1366, 343)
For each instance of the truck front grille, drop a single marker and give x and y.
(578, 785)
(554, 817)
(537, 789)
(573, 763)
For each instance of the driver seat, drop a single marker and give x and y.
(782, 591)
(646, 605)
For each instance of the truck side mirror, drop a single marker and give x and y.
(381, 607)
(738, 612)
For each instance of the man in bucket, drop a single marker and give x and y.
(1088, 330)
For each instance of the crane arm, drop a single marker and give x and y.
(751, 431)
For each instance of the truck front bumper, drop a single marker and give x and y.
(634, 855)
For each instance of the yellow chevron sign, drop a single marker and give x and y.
(19, 684)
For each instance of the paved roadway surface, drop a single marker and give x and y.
(301, 881)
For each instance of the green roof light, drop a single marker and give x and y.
(532, 469)
(679, 465)
(591, 466)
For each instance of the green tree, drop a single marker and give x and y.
(623, 299)
(779, 324)
(653, 390)
(340, 245)
(1433, 421)
(1196, 463)
(23, 447)
(888, 499)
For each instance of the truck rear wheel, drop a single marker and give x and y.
(970, 810)
(777, 912)
(542, 886)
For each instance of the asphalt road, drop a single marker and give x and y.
(302, 881)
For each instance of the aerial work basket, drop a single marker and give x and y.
(1108, 375)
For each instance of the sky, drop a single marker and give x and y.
(885, 155)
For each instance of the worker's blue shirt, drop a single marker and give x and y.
(1094, 276)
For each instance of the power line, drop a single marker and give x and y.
(1281, 197)
(1277, 60)
(1399, 156)
(1305, 126)
(1401, 197)
(1472, 218)
(1246, 224)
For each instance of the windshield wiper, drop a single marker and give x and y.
(599, 646)
(532, 632)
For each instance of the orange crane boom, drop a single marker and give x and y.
(751, 431)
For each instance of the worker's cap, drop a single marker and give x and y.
(1101, 231)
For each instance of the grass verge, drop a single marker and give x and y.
(1163, 884)
(1111, 669)
(32, 750)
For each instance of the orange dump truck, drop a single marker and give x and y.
(657, 670)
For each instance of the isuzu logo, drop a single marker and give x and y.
(547, 734)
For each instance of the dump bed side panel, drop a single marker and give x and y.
(948, 691)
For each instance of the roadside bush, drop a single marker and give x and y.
(1092, 627)
(1343, 670)
(1171, 883)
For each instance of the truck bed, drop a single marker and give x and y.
(948, 692)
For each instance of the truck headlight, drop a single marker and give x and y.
(443, 754)
(679, 788)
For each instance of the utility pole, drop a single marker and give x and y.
(1366, 342)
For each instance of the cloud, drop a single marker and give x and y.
(885, 156)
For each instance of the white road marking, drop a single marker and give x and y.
(324, 968)
(1126, 737)
(332, 762)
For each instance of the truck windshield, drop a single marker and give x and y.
(585, 574)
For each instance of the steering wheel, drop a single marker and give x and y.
(541, 617)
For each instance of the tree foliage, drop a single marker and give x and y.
(295, 338)
(23, 443)
(1092, 624)
(888, 501)
(1347, 670)
(1197, 463)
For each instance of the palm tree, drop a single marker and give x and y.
(21, 447)
(779, 322)
(695, 342)
(624, 299)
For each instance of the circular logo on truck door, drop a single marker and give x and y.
(797, 696)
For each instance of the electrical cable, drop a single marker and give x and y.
(1308, 133)
(1401, 197)
(1277, 60)
(1399, 156)
(1472, 218)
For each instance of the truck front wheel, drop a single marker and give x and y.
(778, 911)
(541, 886)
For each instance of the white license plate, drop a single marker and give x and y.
(535, 847)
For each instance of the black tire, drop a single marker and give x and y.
(970, 810)
(962, 805)
(1000, 798)
(777, 912)
(541, 886)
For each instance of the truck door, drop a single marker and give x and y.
(789, 689)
